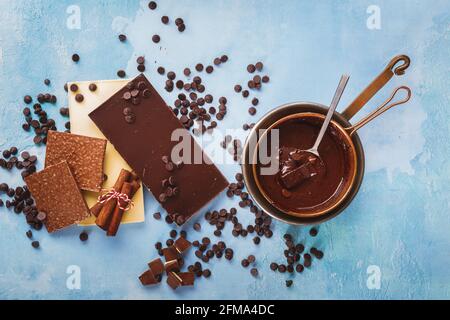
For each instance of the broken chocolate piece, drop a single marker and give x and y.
(170, 253)
(172, 266)
(84, 156)
(148, 278)
(150, 134)
(187, 278)
(173, 280)
(57, 194)
(182, 245)
(156, 266)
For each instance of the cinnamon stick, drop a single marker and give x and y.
(104, 217)
(130, 190)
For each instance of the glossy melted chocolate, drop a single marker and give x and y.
(305, 183)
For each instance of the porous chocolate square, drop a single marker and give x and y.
(139, 124)
(84, 155)
(57, 195)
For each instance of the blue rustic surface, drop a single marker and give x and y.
(399, 221)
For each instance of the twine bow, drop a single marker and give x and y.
(123, 201)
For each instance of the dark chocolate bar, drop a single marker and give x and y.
(139, 124)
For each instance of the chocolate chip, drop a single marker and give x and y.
(35, 244)
(122, 38)
(156, 38)
(197, 226)
(140, 60)
(181, 27)
(252, 111)
(173, 234)
(75, 57)
(251, 68)
(245, 263)
(157, 215)
(165, 19)
(317, 253)
(313, 232)
(74, 87)
(299, 268)
(121, 74)
(259, 66)
(152, 5)
(255, 101)
(199, 67)
(27, 99)
(307, 260)
(47, 82)
(209, 69)
(206, 273)
(265, 79)
(289, 283)
(273, 266)
(179, 21)
(29, 234)
(84, 236)
(237, 88)
(79, 97)
(254, 272)
(256, 240)
(161, 70)
(224, 58)
(245, 93)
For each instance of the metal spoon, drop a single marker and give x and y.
(305, 164)
(334, 103)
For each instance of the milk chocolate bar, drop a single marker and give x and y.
(57, 196)
(84, 155)
(139, 124)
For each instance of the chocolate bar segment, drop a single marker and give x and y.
(139, 124)
(84, 156)
(57, 195)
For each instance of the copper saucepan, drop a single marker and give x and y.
(347, 131)
(345, 136)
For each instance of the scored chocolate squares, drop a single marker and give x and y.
(139, 124)
(84, 155)
(57, 197)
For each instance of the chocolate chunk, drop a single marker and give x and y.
(156, 266)
(148, 278)
(173, 280)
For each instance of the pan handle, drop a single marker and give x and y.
(377, 84)
(381, 109)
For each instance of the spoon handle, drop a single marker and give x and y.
(334, 103)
